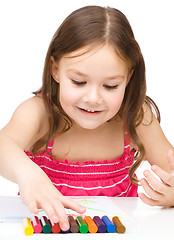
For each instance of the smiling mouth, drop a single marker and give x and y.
(89, 110)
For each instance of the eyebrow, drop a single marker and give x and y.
(77, 72)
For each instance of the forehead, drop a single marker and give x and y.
(98, 59)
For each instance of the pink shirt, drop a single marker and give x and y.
(101, 178)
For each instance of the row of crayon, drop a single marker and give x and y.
(82, 225)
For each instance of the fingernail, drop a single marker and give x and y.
(140, 195)
(35, 210)
(55, 219)
(154, 167)
(146, 173)
(142, 180)
(170, 151)
(65, 226)
(82, 209)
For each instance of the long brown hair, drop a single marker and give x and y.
(94, 25)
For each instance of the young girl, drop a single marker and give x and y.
(91, 124)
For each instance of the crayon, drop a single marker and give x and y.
(37, 227)
(109, 225)
(92, 227)
(28, 229)
(120, 228)
(74, 227)
(55, 228)
(67, 231)
(83, 228)
(46, 227)
(100, 224)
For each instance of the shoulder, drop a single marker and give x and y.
(36, 102)
(153, 139)
(28, 122)
(149, 123)
(32, 109)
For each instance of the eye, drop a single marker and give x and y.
(78, 83)
(109, 87)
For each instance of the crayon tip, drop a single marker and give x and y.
(28, 229)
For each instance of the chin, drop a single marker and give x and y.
(90, 126)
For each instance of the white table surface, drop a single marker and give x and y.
(144, 222)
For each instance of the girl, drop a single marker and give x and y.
(91, 124)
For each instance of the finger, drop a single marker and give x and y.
(60, 212)
(149, 190)
(71, 204)
(56, 214)
(166, 177)
(32, 205)
(156, 184)
(170, 157)
(50, 211)
(147, 200)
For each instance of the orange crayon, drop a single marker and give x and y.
(92, 227)
(28, 229)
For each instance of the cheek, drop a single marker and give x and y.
(116, 101)
(67, 97)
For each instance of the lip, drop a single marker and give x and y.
(92, 112)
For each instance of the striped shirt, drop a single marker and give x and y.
(90, 178)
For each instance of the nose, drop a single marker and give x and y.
(93, 96)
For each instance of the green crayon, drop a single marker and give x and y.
(46, 226)
(83, 228)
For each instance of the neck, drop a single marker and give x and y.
(78, 130)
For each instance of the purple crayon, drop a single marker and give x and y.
(100, 224)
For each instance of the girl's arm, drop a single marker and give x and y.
(36, 189)
(160, 154)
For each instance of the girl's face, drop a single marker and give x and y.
(92, 85)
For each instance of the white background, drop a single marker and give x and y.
(26, 28)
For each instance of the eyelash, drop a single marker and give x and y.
(110, 87)
(78, 83)
(81, 83)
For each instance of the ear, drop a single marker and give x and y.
(129, 76)
(54, 69)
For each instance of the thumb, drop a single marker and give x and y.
(170, 157)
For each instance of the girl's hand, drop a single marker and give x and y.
(160, 193)
(37, 191)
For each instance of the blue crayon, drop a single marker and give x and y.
(67, 231)
(109, 225)
(101, 226)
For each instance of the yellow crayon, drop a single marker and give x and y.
(28, 229)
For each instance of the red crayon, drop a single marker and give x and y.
(55, 228)
(36, 224)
